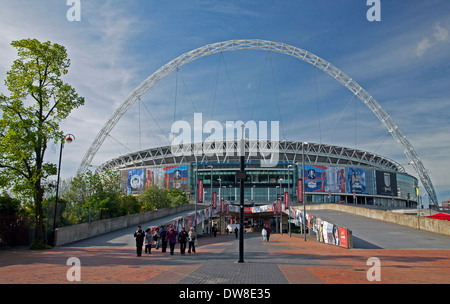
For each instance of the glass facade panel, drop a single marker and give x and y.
(263, 185)
(406, 187)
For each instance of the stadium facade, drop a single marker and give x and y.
(331, 174)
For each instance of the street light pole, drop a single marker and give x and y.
(303, 188)
(276, 206)
(68, 138)
(289, 207)
(196, 193)
(281, 209)
(242, 177)
(211, 202)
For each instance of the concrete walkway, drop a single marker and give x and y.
(283, 260)
(374, 234)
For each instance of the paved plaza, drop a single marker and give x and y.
(283, 260)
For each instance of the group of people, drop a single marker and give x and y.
(265, 234)
(163, 237)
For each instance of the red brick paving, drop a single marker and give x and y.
(334, 265)
(349, 266)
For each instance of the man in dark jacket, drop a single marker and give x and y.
(139, 235)
(163, 234)
(182, 239)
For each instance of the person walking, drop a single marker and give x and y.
(148, 240)
(157, 238)
(139, 235)
(236, 232)
(214, 230)
(182, 239)
(163, 236)
(172, 239)
(192, 240)
(264, 234)
(268, 233)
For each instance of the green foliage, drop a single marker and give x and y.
(9, 205)
(177, 197)
(90, 194)
(39, 246)
(155, 198)
(38, 101)
(129, 205)
(49, 210)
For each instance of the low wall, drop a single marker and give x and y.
(70, 234)
(413, 221)
(326, 232)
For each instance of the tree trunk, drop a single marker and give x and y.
(39, 212)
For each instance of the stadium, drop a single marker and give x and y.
(331, 174)
(303, 171)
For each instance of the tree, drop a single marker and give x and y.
(154, 198)
(129, 205)
(105, 192)
(9, 205)
(177, 197)
(39, 100)
(94, 192)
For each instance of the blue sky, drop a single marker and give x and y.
(403, 61)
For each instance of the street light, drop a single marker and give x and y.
(281, 209)
(196, 192)
(303, 188)
(67, 138)
(242, 177)
(210, 214)
(276, 206)
(289, 208)
(220, 188)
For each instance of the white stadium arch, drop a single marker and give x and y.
(282, 48)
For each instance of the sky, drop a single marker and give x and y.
(403, 61)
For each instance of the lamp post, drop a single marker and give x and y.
(210, 208)
(281, 208)
(303, 188)
(276, 206)
(196, 193)
(289, 208)
(242, 177)
(67, 138)
(220, 188)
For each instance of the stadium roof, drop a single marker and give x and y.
(288, 152)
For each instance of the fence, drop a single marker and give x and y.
(15, 230)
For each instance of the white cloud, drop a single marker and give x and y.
(441, 33)
(422, 47)
(100, 62)
(435, 39)
(107, 65)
